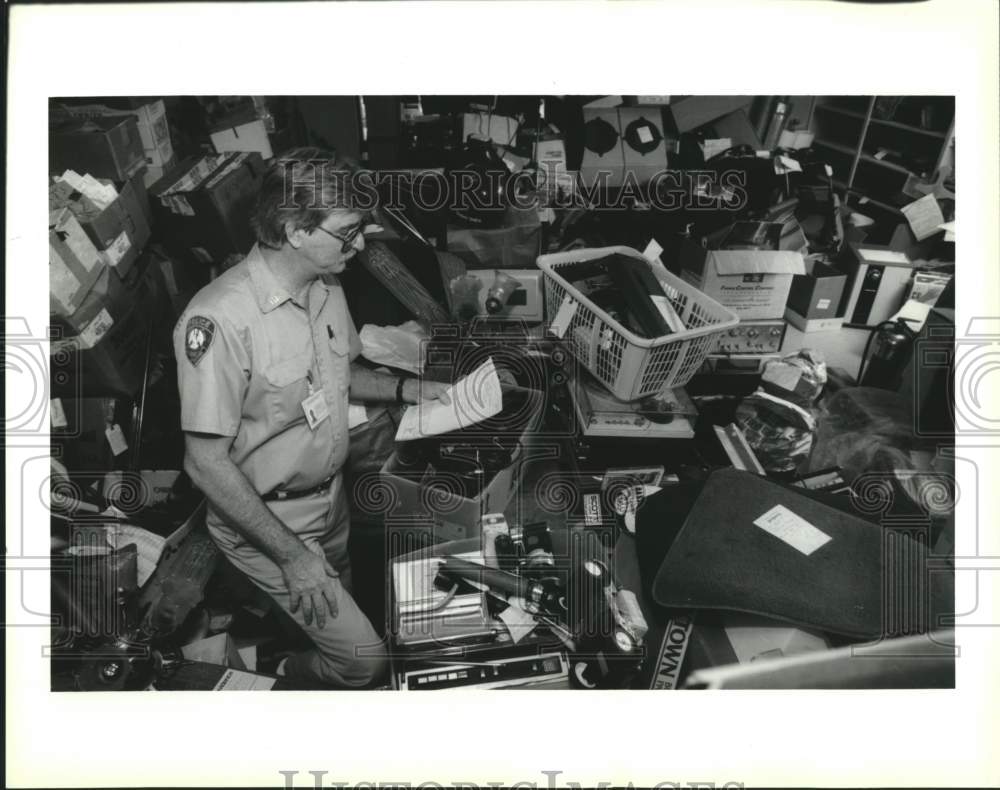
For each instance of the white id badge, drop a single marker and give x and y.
(315, 409)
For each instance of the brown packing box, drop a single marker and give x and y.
(752, 283)
(109, 354)
(104, 147)
(430, 494)
(106, 294)
(643, 141)
(122, 229)
(75, 264)
(212, 218)
(83, 444)
(602, 152)
(218, 649)
(690, 112)
(817, 293)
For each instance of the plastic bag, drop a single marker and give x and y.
(400, 346)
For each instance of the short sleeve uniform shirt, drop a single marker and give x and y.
(248, 355)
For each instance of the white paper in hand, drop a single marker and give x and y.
(471, 400)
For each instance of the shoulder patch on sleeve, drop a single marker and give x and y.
(198, 337)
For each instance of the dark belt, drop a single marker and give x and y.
(278, 496)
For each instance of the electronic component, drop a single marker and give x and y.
(672, 416)
(515, 671)
(523, 302)
(752, 337)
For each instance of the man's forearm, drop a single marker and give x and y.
(368, 386)
(231, 495)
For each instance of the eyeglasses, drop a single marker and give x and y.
(346, 242)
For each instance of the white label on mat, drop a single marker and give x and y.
(565, 314)
(794, 530)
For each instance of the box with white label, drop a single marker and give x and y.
(643, 141)
(817, 293)
(75, 264)
(120, 230)
(752, 283)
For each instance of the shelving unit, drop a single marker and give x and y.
(877, 142)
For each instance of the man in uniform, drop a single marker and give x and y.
(265, 357)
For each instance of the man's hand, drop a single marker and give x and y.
(416, 390)
(313, 584)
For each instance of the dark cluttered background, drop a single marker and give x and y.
(150, 198)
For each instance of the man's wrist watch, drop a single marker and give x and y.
(399, 390)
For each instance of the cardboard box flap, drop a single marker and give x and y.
(729, 262)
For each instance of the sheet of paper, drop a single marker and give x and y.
(714, 147)
(792, 529)
(883, 256)
(237, 680)
(914, 313)
(785, 164)
(924, 216)
(652, 251)
(518, 622)
(471, 400)
(357, 415)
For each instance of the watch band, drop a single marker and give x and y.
(399, 390)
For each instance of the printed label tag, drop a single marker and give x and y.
(792, 529)
(822, 304)
(676, 638)
(58, 414)
(564, 315)
(96, 329)
(592, 510)
(118, 248)
(645, 136)
(652, 251)
(116, 439)
(315, 409)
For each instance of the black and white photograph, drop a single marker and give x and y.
(491, 376)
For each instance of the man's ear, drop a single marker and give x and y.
(296, 236)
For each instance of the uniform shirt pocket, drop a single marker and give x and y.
(287, 386)
(340, 344)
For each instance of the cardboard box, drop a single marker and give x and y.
(75, 264)
(643, 142)
(416, 491)
(109, 353)
(122, 229)
(487, 126)
(690, 112)
(751, 283)
(154, 173)
(106, 294)
(602, 147)
(104, 147)
(808, 325)
(203, 206)
(81, 439)
(817, 293)
(219, 649)
(151, 118)
(243, 136)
